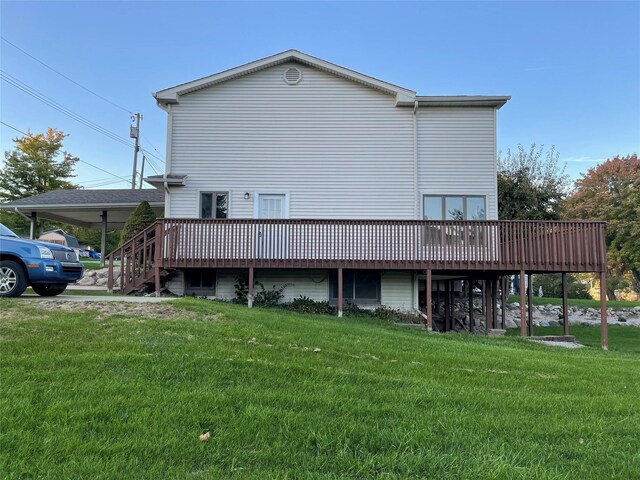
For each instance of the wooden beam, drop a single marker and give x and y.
(340, 299)
(470, 293)
(503, 300)
(604, 336)
(565, 305)
(428, 301)
(103, 238)
(250, 292)
(447, 310)
(523, 316)
(530, 303)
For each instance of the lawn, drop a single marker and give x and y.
(91, 395)
(575, 302)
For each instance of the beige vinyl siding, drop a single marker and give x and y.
(396, 289)
(457, 153)
(310, 283)
(340, 149)
(175, 284)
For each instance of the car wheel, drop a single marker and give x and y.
(48, 290)
(13, 279)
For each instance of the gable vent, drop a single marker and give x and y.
(292, 76)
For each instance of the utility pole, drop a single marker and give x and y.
(142, 170)
(134, 132)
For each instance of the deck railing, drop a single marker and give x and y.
(382, 244)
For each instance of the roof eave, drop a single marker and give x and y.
(461, 101)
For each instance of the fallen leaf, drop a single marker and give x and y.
(316, 350)
(205, 436)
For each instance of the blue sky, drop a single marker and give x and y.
(573, 69)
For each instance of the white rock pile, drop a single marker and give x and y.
(98, 278)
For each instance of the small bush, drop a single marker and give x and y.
(269, 298)
(241, 290)
(385, 313)
(304, 304)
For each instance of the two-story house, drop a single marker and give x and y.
(293, 170)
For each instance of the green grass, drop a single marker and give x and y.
(575, 302)
(622, 339)
(86, 395)
(92, 264)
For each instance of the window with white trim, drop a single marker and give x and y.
(214, 204)
(454, 207)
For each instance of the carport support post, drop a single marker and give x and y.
(565, 305)
(250, 292)
(103, 238)
(32, 228)
(428, 301)
(339, 292)
(523, 309)
(604, 339)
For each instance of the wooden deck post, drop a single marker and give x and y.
(488, 319)
(103, 238)
(158, 254)
(250, 292)
(503, 301)
(565, 305)
(530, 303)
(494, 302)
(470, 293)
(604, 338)
(110, 275)
(523, 309)
(340, 299)
(447, 310)
(428, 301)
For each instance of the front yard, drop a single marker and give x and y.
(124, 392)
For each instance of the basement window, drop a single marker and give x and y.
(361, 287)
(200, 281)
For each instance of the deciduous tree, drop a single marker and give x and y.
(610, 191)
(531, 184)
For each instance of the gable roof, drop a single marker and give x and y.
(170, 95)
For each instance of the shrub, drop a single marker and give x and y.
(142, 217)
(304, 304)
(241, 290)
(552, 286)
(385, 313)
(269, 298)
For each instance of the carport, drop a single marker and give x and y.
(102, 209)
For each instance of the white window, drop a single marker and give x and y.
(214, 204)
(272, 205)
(454, 207)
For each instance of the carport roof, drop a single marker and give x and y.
(84, 207)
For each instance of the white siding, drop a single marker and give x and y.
(397, 290)
(310, 283)
(176, 283)
(456, 153)
(341, 150)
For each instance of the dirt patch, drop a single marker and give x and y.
(140, 310)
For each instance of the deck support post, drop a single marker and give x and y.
(447, 309)
(565, 305)
(428, 301)
(604, 339)
(523, 309)
(484, 298)
(488, 320)
(470, 294)
(495, 283)
(503, 301)
(103, 238)
(530, 303)
(250, 292)
(452, 304)
(340, 299)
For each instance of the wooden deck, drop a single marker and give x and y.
(489, 250)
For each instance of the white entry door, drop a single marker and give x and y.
(272, 241)
(272, 205)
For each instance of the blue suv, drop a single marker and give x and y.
(46, 267)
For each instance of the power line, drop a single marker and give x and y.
(66, 77)
(124, 179)
(153, 146)
(13, 128)
(61, 108)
